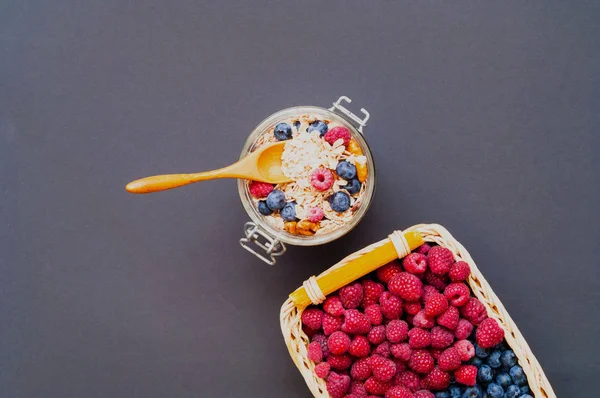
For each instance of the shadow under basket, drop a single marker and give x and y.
(297, 341)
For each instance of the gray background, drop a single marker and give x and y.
(484, 119)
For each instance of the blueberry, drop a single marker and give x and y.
(517, 375)
(481, 352)
(319, 126)
(454, 391)
(508, 359)
(485, 374)
(442, 394)
(494, 360)
(495, 391)
(476, 362)
(346, 170)
(501, 347)
(353, 186)
(472, 392)
(263, 208)
(276, 200)
(524, 389)
(512, 391)
(525, 396)
(339, 201)
(504, 380)
(297, 125)
(288, 212)
(283, 132)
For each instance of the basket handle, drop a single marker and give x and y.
(354, 267)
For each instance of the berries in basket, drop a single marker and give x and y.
(411, 317)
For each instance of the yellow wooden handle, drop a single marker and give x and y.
(359, 267)
(170, 181)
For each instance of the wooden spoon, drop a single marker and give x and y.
(262, 165)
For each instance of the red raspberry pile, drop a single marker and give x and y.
(402, 331)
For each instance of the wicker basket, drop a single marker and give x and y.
(297, 341)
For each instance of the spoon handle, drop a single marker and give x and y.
(170, 181)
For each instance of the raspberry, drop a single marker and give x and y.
(383, 349)
(423, 394)
(337, 133)
(337, 385)
(459, 271)
(449, 318)
(333, 306)
(391, 306)
(384, 370)
(361, 370)
(373, 314)
(435, 305)
(400, 365)
(423, 321)
(421, 361)
(377, 335)
(339, 362)
(467, 375)
(322, 340)
(321, 179)
(398, 392)
(401, 351)
(331, 324)
(374, 386)
(440, 260)
(436, 380)
(260, 189)
(457, 294)
(415, 263)
(418, 338)
(312, 318)
(428, 290)
(423, 249)
(357, 389)
(338, 343)
(463, 329)
(355, 322)
(315, 353)
(412, 307)
(409, 319)
(386, 272)
(396, 331)
(315, 214)
(376, 360)
(489, 333)
(437, 281)
(322, 370)
(351, 295)
(449, 360)
(441, 337)
(436, 353)
(371, 292)
(360, 347)
(465, 349)
(473, 311)
(406, 286)
(409, 380)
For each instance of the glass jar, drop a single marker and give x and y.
(264, 240)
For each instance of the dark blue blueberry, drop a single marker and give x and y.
(472, 392)
(476, 362)
(512, 391)
(508, 359)
(339, 201)
(263, 208)
(319, 126)
(494, 360)
(346, 170)
(501, 347)
(517, 375)
(495, 391)
(524, 389)
(485, 374)
(525, 396)
(276, 200)
(283, 132)
(454, 391)
(504, 380)
(288, 212)
(353, 186)
(297, 125)
(442, 394)
(481, 352)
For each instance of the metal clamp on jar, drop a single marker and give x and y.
(264, 240)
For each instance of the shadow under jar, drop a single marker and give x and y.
(266, 235)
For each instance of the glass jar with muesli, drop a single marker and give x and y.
(332, 177)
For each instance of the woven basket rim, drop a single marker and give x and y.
(297, 341)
